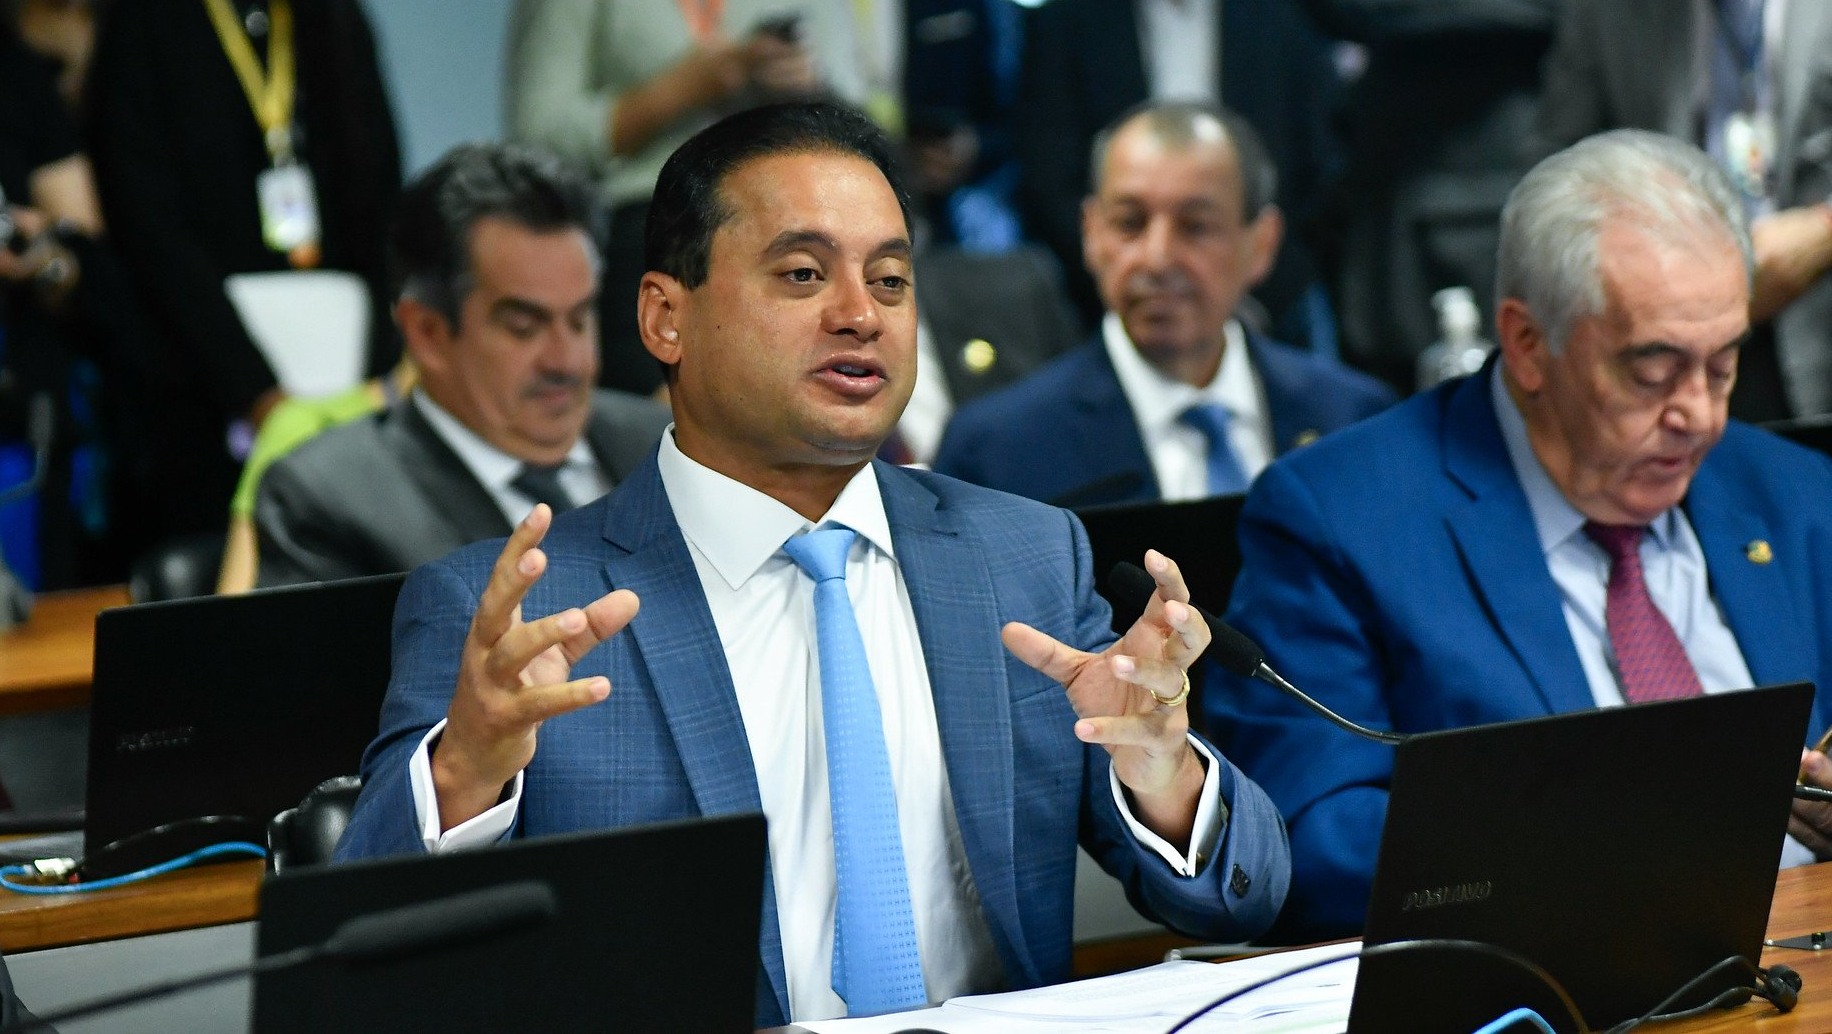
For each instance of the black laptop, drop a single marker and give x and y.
(656, 930)
(209, 715)
(1624, 850)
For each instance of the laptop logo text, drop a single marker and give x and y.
(1454, 894)
(155, 739)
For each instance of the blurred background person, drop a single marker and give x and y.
(617, 85)
(1086, 62)
(1748, 81)
(233, 137)
(68, 336)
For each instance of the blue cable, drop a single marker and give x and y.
(233, 847)
(1508, 1020)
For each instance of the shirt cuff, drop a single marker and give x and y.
(479, 831)
(1211, 818)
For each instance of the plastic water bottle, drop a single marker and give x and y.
(1460, 349)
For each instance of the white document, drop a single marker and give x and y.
(312, 325)
(1150, 1001)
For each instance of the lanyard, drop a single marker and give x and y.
(270, 95)
(702, 17)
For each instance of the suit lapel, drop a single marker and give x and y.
(1104, 437)
(1288, 395)
(1754, 596)
(680, 647)
(442, 477)
(957, 619)
(1496, 537)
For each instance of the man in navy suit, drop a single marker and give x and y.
(1527, 540)
(529, 695)
(1181, 224)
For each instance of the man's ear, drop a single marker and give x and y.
(1264, 235)
(661, 308)
(1524, 348)
(426, 333)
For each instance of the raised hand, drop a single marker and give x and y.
(1130, 698)
(514, 675)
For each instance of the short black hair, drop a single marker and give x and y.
(429, 243)
(1175, 123)
(687, 209)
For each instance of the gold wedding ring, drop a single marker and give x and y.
(1183, 695)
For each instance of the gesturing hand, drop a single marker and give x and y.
(514, 675)
(1120, 698)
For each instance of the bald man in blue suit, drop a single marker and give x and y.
(1015, 726)
(1180, 225)
(1434, 566)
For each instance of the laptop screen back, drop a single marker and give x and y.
(1624, 850)
(656, 930)
(229, 706)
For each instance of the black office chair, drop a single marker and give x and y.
(176, 569)
(307, 834)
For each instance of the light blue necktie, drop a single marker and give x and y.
(876, 968)
(1225, 474)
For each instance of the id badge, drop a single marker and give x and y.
(1749, 150)
(289, 208)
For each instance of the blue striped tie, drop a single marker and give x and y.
(1225, 474)
(876, 968)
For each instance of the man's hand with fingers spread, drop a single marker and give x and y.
(514, 675)
(1130, 698)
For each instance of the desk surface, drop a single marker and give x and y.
(1802, 905)
(229, 892)
(46, 663)
(206, 895)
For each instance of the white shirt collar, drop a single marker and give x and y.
(1157, 400)
(492, 467)
(737, 528)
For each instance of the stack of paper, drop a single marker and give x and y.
(1150, 1001)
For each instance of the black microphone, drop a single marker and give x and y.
(441, 923)
(1236, 653)
(429, 926)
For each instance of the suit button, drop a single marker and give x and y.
(1239, 882)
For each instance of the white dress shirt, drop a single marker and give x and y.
(1672, 564)
(1180, 42)
(1179, 453)
(763, 608)
(494, 468)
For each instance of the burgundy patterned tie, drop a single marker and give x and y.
(1650, 660)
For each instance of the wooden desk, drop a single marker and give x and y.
(46, 663)
(1803, 905)
(205, 895)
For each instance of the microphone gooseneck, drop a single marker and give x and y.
(422, 928)
(1236, 653)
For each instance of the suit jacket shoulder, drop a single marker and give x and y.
(1064, 435)
(1310, 396)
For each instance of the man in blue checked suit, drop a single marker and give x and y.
(1175, 398)
(1577, 525)
(684, 647)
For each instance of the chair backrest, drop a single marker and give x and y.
(1814, 432)
(178, 568)
(307, 833)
